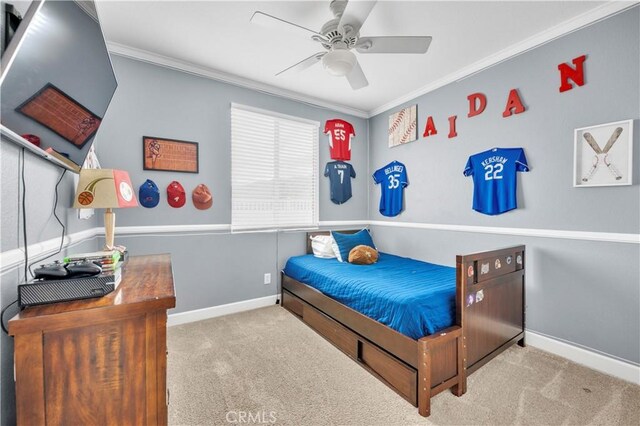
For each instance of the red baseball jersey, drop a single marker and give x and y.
(340, 134)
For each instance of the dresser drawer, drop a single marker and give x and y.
(340, 336)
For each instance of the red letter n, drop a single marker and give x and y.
(575, 74)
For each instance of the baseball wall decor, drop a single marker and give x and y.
(169, 155)
(340, 135)
(494, 175)
(603, 154)
(403, 126)
(392, 179)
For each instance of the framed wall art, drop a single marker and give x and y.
(603, 154)
(403, 126)
(170, 155)
(61, 114)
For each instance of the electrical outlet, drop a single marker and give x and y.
(267, 279)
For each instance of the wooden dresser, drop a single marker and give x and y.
(98, 361)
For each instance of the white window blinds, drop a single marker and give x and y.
(274, 170)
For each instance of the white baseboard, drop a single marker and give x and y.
(594, 360)
(218, 311)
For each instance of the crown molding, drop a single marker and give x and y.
(591, 17)
(210, 73)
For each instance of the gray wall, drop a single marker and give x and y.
(40, 178)
(215, 268)
(580, 291)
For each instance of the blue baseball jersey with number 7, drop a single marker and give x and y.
(340, 174)
(494, 179)
(393, 180)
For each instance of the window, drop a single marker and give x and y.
(274, 170)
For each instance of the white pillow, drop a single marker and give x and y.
(322, 246)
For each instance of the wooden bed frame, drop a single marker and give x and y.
(489, 319)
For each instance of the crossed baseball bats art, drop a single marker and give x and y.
(602, 154)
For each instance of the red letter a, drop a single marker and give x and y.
(514, 103)
(475, 109)
(567, 73)
(430, 128)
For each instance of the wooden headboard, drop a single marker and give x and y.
(314, 233)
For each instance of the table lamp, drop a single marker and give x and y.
(105, 189)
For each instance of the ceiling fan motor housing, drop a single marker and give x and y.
(333, 35)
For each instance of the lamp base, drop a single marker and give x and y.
(109, 229)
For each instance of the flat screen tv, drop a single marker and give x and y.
(57, 81)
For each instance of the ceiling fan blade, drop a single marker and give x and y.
(400, 44)
(305, 63)
(356, 77)
(269, 21)
(354, 15)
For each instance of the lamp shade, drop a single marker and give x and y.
(104, 189)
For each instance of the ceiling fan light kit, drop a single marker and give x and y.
(340, 35)
(339, 62)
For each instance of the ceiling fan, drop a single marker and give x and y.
(339, 36)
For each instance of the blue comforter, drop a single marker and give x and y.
(413, 297)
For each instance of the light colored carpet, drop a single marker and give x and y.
(264, 365)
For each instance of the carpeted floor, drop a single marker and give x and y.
(265, 366)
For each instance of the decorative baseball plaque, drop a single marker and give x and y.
(603, 154)
(61, 114)
(403, 126)
(170, 155)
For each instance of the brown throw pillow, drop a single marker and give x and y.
(363, 255)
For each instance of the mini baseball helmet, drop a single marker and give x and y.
(148, 194)
(202, 198)
(175, 194)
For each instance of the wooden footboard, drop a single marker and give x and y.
(490, 303)
(489, 318)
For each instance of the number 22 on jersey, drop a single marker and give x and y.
(493, 171)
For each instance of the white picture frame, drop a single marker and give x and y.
(603, 155)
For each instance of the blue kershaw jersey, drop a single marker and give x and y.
(393, 178)
(494, 179)
(340, 174)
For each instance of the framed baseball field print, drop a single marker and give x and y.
(603, 154)
(170, 155)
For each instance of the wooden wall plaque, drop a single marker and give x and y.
(170, 155)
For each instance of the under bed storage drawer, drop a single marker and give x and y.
(292, 303)
(400, 376)
(340, 336)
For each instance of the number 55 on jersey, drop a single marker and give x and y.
(494, 179)
(393, 180)
(340, 134)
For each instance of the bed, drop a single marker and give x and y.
(439, 325)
